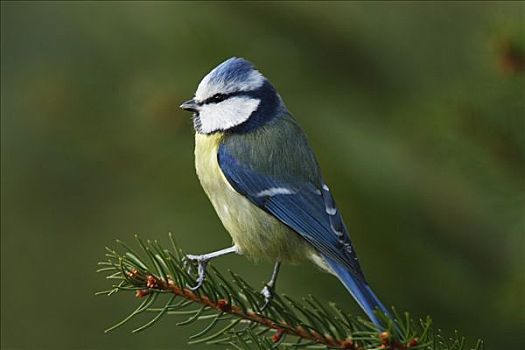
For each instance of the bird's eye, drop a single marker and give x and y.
(217, 98)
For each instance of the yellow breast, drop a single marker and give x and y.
(256, 233)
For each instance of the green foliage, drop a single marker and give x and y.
(230, 311)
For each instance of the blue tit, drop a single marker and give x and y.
(261, 176)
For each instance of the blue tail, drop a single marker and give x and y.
(361, 292)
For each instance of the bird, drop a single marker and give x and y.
(257, 168)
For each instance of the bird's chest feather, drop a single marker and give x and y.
(255, 232)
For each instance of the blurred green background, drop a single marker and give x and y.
(416, 113)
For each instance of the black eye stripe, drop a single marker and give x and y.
(221, 97)
(216, 98)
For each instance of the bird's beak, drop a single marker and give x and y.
(189, 105)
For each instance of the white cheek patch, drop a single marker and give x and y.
(226, 114)
(208, 88)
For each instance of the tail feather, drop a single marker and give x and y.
(361, 292)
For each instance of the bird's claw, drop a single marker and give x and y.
(201, 269)
(267, 293)
(187, 262)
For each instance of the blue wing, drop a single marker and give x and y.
(307, 208)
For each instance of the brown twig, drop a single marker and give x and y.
(154, 283)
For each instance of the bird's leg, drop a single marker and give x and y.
(269, 287)
(202, 262)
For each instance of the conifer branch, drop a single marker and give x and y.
(231, 309)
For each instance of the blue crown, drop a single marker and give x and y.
(231, 70)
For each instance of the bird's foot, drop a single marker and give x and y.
(202, 263)
(268, 293)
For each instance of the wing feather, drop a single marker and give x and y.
(306, 207)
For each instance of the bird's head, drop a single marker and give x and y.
(233, 97)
